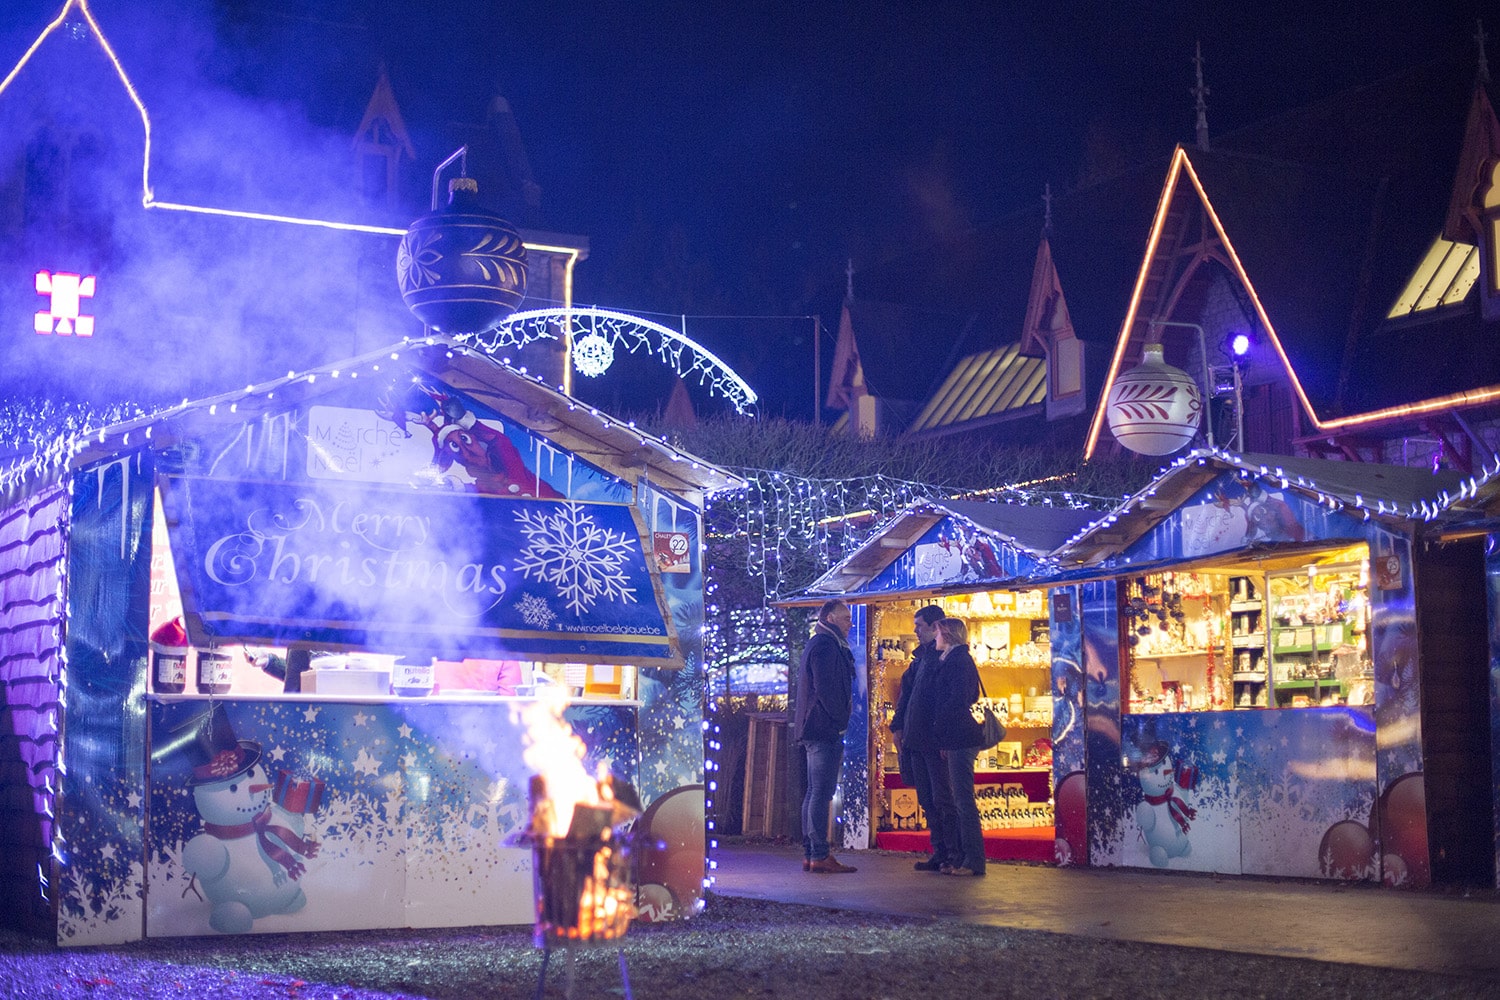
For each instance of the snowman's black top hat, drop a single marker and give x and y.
(210, 744)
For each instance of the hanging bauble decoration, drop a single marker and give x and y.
(462, 269)
(593, 354)
(1154, 408)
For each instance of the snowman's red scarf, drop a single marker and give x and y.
(1180, 811)
(261, 826)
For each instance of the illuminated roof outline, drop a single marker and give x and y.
(1182, 166)
(148, 195)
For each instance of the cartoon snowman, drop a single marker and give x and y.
(246, 857)
(1163, 815)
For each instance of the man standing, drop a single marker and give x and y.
(825, 697)
(930, 780)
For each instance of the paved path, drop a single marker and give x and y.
(1355, 924)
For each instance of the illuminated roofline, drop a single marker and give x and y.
(1123, 338)
(148, 198)
(1181, 163)
(135, 98)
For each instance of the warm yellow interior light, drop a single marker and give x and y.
(1445, 275)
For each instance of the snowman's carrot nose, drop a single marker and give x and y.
(259, 788)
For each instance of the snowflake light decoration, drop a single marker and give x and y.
(567, 549)
(592, 355)
(534, 611)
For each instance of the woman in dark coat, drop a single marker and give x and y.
(951, 693)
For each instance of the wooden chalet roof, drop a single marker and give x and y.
(1033, 530)
(1397, 493)
(613, 445)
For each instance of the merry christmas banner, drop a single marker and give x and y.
(406, 570)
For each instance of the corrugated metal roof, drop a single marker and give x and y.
(986, 384)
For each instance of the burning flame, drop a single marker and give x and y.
(555, 754)
(583, 892)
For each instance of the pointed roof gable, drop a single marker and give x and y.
(1321, 216)
(382, 107)
(80, 9)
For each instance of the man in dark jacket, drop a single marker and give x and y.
(825, 698)
(928, 776)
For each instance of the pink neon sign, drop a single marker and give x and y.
(65, 292)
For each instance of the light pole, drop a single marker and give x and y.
(1208, 386)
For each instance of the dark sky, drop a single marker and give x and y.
(760, 145)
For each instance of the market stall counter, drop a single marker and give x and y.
(298, 642)
(1256, 676)
(975, 560)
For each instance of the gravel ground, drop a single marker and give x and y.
(737, 948)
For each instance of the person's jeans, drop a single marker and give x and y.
(935, 796)
(823, 760)
(970, 833)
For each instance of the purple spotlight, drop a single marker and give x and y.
(1240, 344)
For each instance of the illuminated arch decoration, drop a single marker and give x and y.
(595, 337)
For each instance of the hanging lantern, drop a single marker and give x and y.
(462, 269)
(1154, 408)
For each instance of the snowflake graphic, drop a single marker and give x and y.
(534, 611)
(567, 549)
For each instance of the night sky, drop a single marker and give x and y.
(728, 159)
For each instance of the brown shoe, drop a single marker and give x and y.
(806, 864)
(830, 866)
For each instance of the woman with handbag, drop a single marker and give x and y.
(953, 692)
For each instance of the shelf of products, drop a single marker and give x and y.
(1175, 627)
(1247, 642)
(1317, 648)
(1285, 638)
(1010, 643)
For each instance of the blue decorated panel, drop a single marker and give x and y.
(98, 876)
(1176, 802)
(1402, 807)
(952, 552)
(1101, 674)
(673, 784)
(1284, 793)
(410, 431)
(1492, 590)
(854, 782)
(1307, 792)
(288, 816)
(1065, 628)
(1235, 512)
(451, 574)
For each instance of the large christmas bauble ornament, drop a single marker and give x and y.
(1071, 812)
(670, 839)
(1403, 832)
(462, 269)
(1347, 852)
(1154, 408)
